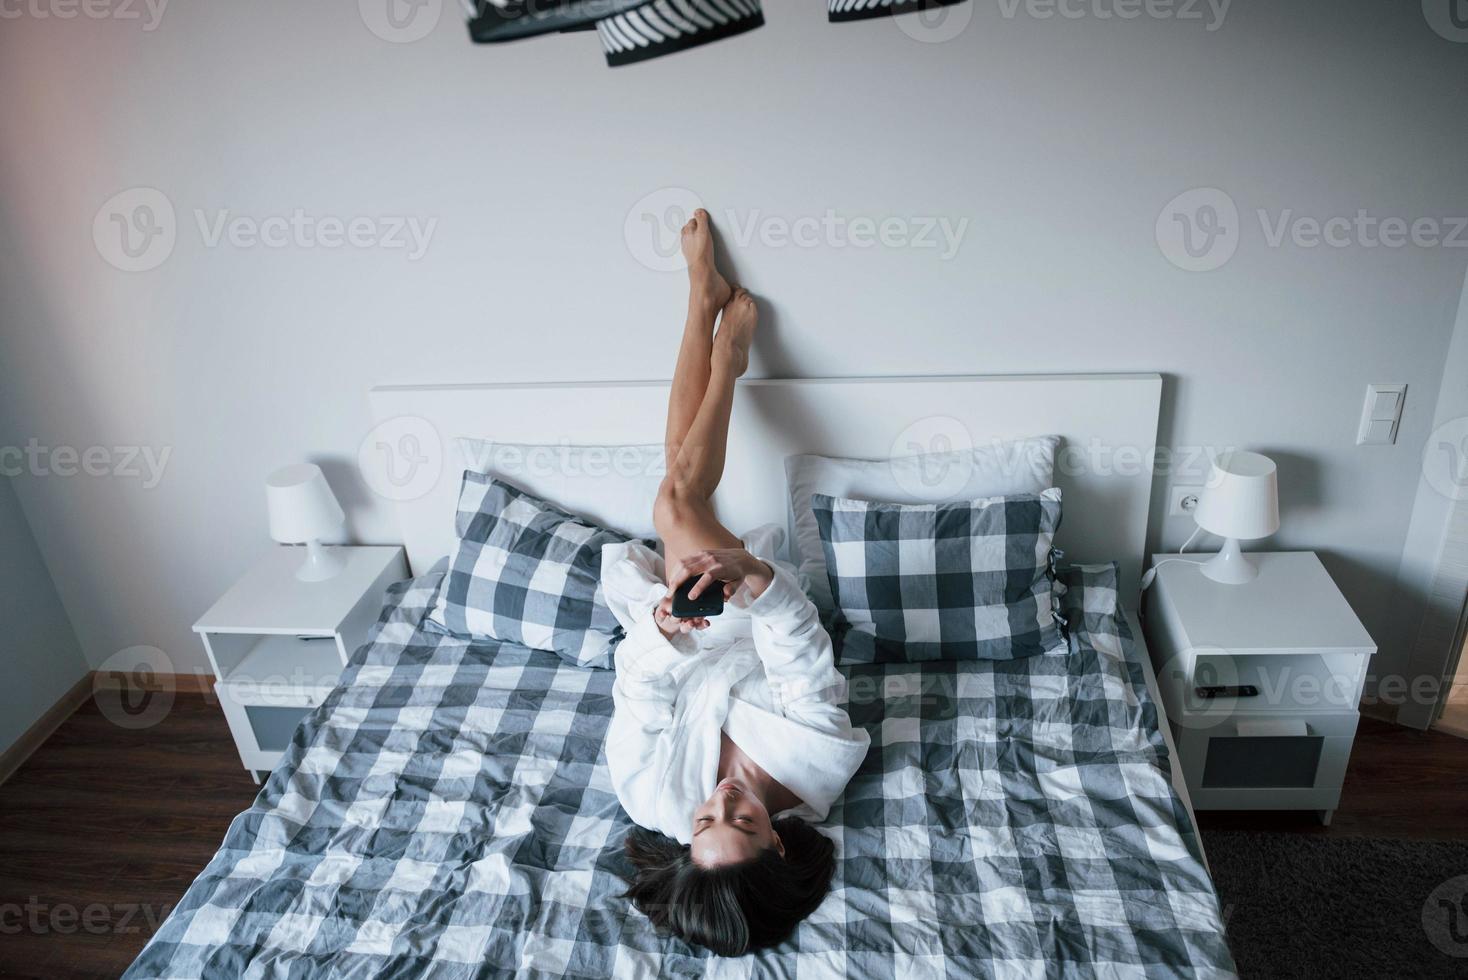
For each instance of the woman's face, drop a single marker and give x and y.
(732, 826)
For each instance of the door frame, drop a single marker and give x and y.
(1432, 577)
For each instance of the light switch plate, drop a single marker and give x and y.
(1381, 415)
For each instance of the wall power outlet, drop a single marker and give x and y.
(1182, 501)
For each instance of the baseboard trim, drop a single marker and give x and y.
(35, 736)
(176, 683)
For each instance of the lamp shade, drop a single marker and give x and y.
(302, 506)
(1241, 498)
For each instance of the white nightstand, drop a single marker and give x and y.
(1290, 657)
(277, 644)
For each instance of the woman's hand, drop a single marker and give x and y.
(671, 626)
(729, 567)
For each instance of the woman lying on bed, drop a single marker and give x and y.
(726, 731)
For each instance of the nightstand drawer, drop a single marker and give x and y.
(272, 694)
(263, 721)
(1265, 761)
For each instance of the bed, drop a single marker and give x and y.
(447, 812)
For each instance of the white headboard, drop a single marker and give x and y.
(1108, 422)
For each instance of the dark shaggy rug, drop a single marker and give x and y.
(1309, 905)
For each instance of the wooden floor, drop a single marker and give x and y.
(104, 827)
(102, 830)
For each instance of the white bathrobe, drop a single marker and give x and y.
(763, 672)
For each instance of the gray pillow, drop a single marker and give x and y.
(991, 470)
(959, 581)
(527, 572)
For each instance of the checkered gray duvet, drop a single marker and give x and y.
(446, 814)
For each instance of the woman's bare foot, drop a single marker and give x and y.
(705, 286)
(736, 332)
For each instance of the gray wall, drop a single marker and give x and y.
(1059, 140)
(38, 649)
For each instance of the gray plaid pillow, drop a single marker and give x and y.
(959, 581)
(527, 572)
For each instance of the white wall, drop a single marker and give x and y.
(38, 648)
(1059, 140)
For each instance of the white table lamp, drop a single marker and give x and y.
(1239, 503)
(304, 510)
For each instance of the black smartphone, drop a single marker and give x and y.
(710, 601)
(1223, 691)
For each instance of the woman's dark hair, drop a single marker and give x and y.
(733, 908)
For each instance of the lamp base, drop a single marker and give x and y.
(321, 563)
(1230, 566)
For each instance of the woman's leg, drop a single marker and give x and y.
(699, 463)
(684, 514)
(707, 294)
